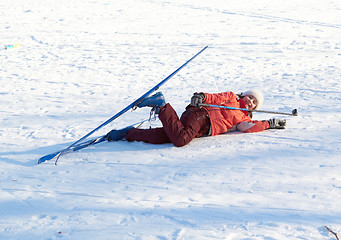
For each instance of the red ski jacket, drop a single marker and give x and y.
(224, 120)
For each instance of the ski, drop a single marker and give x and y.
(74, 148)
(82, 145)
(132, 105)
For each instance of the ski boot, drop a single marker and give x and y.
(116, 135)
(156, 100)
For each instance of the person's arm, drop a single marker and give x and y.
(257, 126)
(219, 98)
(253, 126)
(212, 98)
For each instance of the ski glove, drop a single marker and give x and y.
(197, 99)
(277, 123)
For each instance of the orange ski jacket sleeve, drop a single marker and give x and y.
(224, 120)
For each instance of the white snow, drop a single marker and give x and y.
(82, 61)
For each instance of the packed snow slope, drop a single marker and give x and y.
(82, 61)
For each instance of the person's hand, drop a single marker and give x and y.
(197, 99)
(277, 123)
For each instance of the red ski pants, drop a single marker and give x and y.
(194, 122)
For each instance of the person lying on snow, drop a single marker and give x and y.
(199, 121)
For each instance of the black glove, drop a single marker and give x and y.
(277, 123)
(197, 99)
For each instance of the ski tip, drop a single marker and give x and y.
(294, 112)
(204, 48)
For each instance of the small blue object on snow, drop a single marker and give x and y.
(12, 46)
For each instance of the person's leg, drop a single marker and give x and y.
(194, 123)
(152, 135)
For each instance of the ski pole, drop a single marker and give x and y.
(293, 113)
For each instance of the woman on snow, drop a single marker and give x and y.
(199, 121)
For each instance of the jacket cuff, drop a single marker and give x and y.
(204, 97)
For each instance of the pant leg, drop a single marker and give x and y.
(194, 123)
(152, 135)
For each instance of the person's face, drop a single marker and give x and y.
(251, 102)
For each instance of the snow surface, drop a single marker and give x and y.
(82, 61)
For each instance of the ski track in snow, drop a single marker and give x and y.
(80, 62)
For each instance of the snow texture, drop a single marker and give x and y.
(82, 61)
